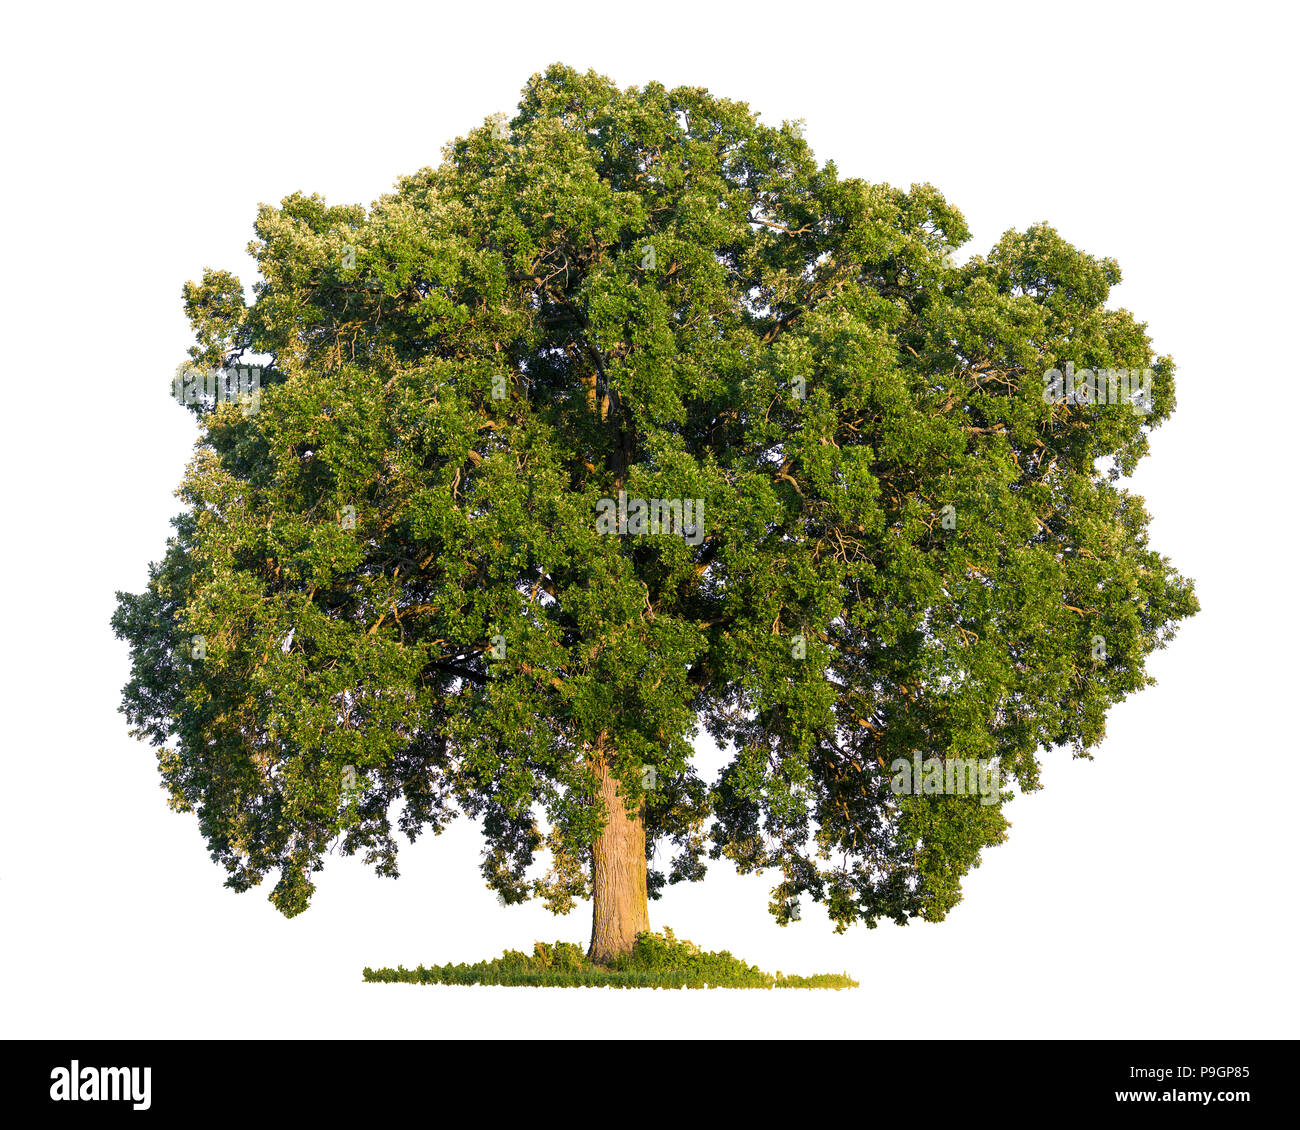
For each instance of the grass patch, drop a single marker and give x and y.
(657, 961)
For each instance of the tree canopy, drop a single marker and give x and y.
(388, 599)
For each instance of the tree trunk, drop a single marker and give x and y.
(620, 910)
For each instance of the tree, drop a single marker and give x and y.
(415, 577)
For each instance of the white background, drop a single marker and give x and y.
(1151, 892)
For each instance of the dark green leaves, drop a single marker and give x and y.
(408, 609)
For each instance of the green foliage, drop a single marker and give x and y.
(658, 961)
(398, 573)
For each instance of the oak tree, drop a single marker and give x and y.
(390, 598)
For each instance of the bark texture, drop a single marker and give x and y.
(620, 909)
